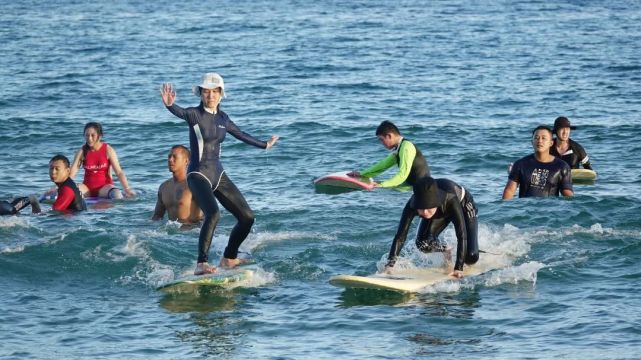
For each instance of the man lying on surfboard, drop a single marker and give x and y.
(411, 163)
(439, 202)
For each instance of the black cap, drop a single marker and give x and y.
(427, 195)
(562, 122)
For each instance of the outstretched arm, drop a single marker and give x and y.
(401, 234)
(233, 129)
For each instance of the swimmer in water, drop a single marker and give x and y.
(174, 196)
(69, 198)
(206, 178)
(540, 174)
(439, 202)
(409, 159)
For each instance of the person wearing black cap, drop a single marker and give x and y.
(567, 149)
(540, 174)
(439, 202)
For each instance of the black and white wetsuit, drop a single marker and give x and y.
(457, 208)
(574, 156)
(14, 206)
(206, 177)
(538, 179)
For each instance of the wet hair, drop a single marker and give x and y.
(387, 127)
(183, 149)
(60, 157)
(96, 126)
(543, 127)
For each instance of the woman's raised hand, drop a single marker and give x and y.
(168, 94)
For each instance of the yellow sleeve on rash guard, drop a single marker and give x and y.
(406, 154)
(380, 166)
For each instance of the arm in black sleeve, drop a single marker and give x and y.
(243, 136)
(182, 113)
(455, 212)
(401, 233)
(585, 160)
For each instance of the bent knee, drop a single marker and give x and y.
(472, 258)
(247, 218)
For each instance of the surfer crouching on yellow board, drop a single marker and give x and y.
(439, 202)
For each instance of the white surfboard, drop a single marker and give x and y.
(411, 280)
(227, 278)
(583, 175)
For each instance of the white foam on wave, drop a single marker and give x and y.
(12, 249)
(149, 271)
(14, 221)
(502, 246)
(545, 234)
(514, 274)
(153, 273)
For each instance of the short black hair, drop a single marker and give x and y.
(183, 148)
(387, 127)
(60, 157)
(543, 127)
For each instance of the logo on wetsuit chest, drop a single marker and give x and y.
(539, 177)
(221, 126)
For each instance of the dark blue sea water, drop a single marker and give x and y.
(466, 80)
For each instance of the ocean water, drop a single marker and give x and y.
(466, 81)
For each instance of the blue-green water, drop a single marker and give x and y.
(467, 81)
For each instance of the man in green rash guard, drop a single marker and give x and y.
(411, 163)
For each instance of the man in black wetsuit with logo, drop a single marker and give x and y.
(206, 177)
(439, 202)
(540, 174)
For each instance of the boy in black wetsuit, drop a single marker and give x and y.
(69, 197)
(411, 163)
(540, 174)
(439, 202)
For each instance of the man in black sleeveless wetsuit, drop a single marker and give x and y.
(439, 202)
(540, 174)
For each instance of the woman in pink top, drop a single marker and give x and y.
(98, 158)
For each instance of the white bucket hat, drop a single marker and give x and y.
(210, 81)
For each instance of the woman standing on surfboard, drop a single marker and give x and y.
(440, 202)
(206, 178)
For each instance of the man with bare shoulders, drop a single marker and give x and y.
(174, 196)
